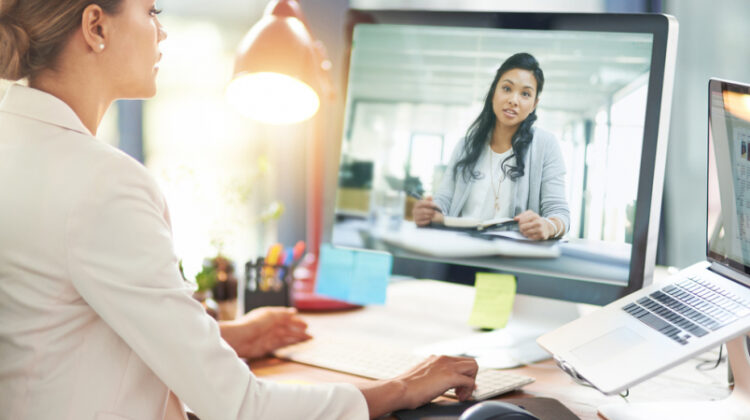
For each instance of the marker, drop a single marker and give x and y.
(289, 256)
(272, 259)
(299, 250)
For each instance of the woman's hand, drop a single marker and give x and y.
(421, 384)
(263, 330)
(437, 374)
(534, 226)
(426, 211)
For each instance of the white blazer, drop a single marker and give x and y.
(95, 321)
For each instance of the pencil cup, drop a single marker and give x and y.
(266, 284)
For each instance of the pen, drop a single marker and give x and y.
(419, 197)
(498, 226)
(250, 282)
(280, 269)
(285, 268)
(272, 260)
(289, 256)
(259, 272)
(280, 272)
(298, 252)
(412, 194)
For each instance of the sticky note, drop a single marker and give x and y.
(493, 300)
(335, 266)
(354, 276)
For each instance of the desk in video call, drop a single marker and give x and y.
(579, 260)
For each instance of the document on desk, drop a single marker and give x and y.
(354, 276)
(448, 244)
(508, 234)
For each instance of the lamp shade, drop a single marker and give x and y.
(277, 68)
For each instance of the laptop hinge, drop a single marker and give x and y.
(730, 273)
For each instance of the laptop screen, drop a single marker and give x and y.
(728, 221)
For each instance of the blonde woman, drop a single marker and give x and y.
(96, 322)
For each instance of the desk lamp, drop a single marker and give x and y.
(281, 76)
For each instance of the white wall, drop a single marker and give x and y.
(713, 41)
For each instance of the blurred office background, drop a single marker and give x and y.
(227, 178)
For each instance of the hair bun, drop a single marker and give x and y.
(14, 50)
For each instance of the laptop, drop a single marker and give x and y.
(708, 303)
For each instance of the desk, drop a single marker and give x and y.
(438, 311)
(578, 260)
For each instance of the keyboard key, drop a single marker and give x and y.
(491, 383)
(694, 305)
(660, 325)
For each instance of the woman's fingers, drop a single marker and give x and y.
(437, 374)
(531, 225)
(423, 212)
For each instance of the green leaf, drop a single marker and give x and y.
(206, 279)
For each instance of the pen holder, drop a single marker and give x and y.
(267, 284)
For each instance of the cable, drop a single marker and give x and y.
(707, 365)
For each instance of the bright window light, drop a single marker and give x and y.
(273, 98)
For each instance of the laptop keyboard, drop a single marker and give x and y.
(692, 307)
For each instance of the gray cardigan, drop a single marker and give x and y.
(540, 189)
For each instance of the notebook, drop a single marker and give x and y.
(470, 223)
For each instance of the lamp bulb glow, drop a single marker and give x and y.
(273, 98)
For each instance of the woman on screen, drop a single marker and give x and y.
(506, 167)
(97, 322)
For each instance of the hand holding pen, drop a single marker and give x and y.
(425, 211)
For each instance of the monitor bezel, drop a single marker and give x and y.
(663, 28)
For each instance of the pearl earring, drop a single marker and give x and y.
(101, 46)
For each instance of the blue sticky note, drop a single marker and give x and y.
(371, 273)
(354, 276)
(335, 269)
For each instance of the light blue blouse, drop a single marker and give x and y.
(540, 189)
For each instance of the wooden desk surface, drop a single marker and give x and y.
(438, 311)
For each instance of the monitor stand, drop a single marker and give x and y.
(736, 406)
(515, 345)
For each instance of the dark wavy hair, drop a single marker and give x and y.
(480, 129)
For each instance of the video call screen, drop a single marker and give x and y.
(414, 91)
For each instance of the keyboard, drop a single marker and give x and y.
(376, 361)
(692, 307)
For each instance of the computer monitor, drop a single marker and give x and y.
(416, 81)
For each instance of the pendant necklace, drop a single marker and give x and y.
(495, 191)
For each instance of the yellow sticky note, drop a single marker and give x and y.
(493, 300)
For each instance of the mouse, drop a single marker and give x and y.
(496, 410)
